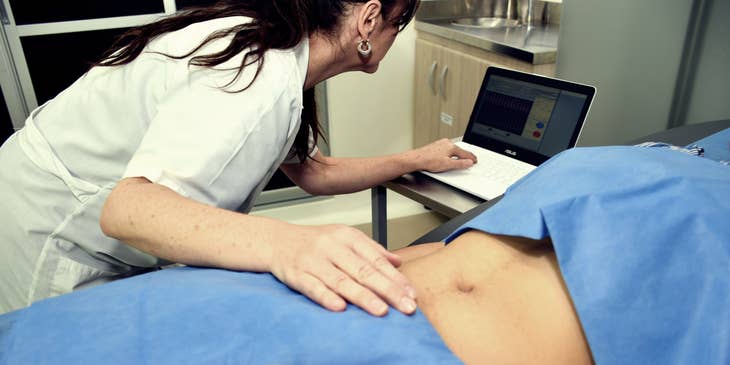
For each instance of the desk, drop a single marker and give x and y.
(461, 206)
(418, 187)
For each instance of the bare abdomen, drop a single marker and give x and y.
(499, 300)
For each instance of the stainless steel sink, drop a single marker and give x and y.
(486, 22)
(490, 13)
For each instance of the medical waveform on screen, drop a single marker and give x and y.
(506, 113)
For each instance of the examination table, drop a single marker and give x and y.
(197, 315)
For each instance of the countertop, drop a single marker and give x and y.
(538, 45)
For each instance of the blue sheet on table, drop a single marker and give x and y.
(207, 316)
(642, 237)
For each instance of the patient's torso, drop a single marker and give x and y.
(499, 300)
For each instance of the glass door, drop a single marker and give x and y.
(49, 44)
(13, 109)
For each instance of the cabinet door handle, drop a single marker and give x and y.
(442, 81)
(431, 77)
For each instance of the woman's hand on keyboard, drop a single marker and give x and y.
(443, 155)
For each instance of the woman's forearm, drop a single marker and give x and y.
(331, 264)
(329, 175)
(159, 221)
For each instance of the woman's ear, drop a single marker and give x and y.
(368, 18)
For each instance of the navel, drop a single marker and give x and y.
(463, 286)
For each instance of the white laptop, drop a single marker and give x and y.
(519, 121)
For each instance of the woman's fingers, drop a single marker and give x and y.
(444, 155)
(393, 258)
(316, 290)
(377, 279)
(330, 286)
(463, 154)
(342, 284)
(382, 260)
(455, 164)
(341, 264)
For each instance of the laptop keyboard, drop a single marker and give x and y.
(495, 167)
(489, 178)
(504, 171)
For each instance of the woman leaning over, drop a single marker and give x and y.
(150, 156)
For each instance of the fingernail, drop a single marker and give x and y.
(377, 306)
(407, 305)
(411, 292)
(336, 304)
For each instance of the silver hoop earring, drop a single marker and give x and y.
(364, 48)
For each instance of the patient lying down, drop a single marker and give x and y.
(626, 262)
(587, 259)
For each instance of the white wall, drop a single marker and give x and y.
(631, 51)
(372, 114)
(369, 115)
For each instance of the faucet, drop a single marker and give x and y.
(528, 28)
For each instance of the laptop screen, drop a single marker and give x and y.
(526, 116)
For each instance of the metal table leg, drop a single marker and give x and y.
(380, 215)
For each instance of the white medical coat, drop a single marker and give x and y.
(157, 118)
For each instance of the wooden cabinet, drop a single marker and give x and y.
(448, 76)
(447, 82)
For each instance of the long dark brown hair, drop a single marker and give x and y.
(276, 24)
